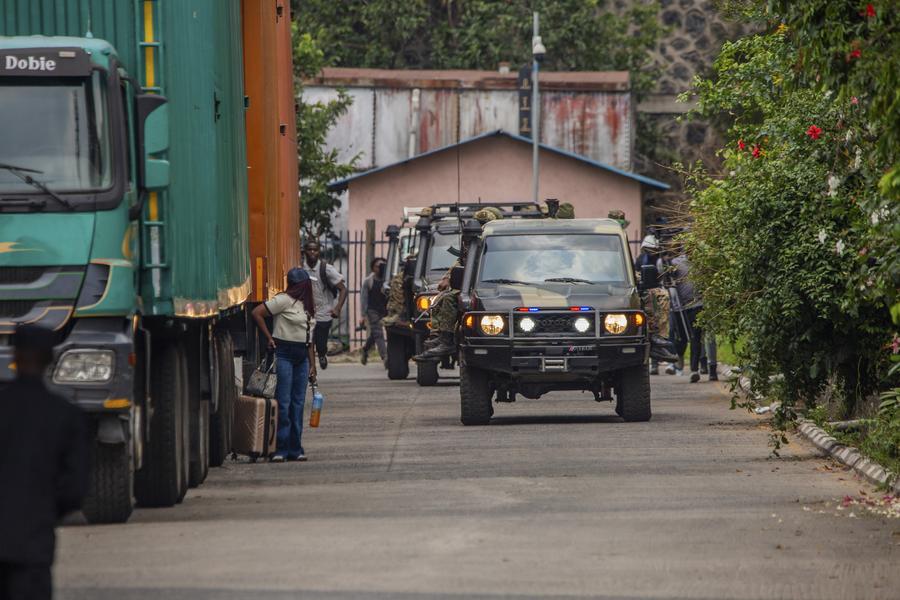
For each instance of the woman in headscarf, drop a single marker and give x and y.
(293, 313)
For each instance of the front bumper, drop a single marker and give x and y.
(95, 333)
(585, 357)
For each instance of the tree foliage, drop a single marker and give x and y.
(479, 34)
(795, 244)
(318, 165)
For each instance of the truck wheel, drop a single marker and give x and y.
(474, 396)
(427, 373)
(110, 496)
(185, 425)
(397, 363)
(159, 482)
(221, 422)
(633, 394)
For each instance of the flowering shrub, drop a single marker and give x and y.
(795, 244)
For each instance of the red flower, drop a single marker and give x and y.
(854, 54)
(814, 132)
(870, 10)
(854, 100)
(756, 152)
(741, 145)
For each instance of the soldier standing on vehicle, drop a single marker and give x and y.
(618, 215)
(44, 468)
(328, 284)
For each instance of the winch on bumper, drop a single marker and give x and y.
(574, 341)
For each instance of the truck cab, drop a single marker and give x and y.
(551, 305)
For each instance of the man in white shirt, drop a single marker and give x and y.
(329, 293)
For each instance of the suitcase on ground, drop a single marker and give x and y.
(255, 426)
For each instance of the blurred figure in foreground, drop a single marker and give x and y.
(44, 463)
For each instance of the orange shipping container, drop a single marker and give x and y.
(271, 144)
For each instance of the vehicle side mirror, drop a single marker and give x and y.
(153, 129)
(649, 277)
(456, 277)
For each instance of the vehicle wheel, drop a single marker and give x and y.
(474, 396)
(633, 394)
(185, 426)
(398, 365)
(159, 482)
(222, 421)
(427, 373)
(110, 496)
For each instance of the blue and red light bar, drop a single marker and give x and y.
(531, 309)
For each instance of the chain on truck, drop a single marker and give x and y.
(124, 201)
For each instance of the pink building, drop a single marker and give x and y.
(494, 166)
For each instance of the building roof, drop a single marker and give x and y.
(608, 81)
(341, 184)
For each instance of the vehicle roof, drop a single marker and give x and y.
(528, 226)
(99, 50)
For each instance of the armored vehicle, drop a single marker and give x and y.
(549, 305)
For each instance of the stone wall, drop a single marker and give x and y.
(697, 30)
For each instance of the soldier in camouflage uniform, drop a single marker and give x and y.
(618, 215)
(657, 307)
(397, 313)
(445, 306)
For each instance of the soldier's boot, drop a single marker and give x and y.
(446, 347)
(662, 349)
(433, 339)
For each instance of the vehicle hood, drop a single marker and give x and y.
(46, 239)
(556, 296)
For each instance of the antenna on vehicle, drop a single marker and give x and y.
(88, 34)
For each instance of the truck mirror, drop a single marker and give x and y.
(153, 129)
(456, 277)
(649, 277)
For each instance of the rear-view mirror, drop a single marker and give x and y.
(153, 129)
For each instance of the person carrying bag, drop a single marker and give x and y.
(293, 313)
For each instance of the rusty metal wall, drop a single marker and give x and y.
(596, 124)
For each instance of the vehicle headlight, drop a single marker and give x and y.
(582, 324)
(527, 324)
(615, 323)
(423, 303)
(492, 324)
(84, 366)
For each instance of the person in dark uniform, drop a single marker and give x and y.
(44, 467)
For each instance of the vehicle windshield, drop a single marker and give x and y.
(57, 128)
(534, 259)
(439, 257)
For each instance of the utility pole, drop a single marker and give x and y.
(537, 55)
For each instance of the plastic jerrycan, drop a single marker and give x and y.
(317, 401)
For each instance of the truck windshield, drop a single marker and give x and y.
(576, 259)
(439, 257)
(58, 128)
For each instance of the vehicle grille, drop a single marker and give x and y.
(555, 324)
(20, 275)
(15, 308)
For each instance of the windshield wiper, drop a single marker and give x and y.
(506, 281)
(567, 280)
(20, 173)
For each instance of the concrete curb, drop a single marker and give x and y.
(846, 455)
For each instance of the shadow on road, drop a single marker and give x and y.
(554, 419)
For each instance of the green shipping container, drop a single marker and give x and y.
(196, 260)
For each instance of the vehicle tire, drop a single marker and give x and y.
(199, 468)
(474, 396)
(185, 425)
(397, 363)
(633, 394)
(427, 373)
(159, 482)
(222, 421)
(110, 497)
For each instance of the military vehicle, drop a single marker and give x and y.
(439, 244)
(549, 305)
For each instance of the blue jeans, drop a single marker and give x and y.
(292, 369)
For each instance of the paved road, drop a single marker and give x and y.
(555, 498)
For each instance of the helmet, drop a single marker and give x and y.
(566, 211)
(484, 215)
(297, 275)
(650, 242)
(619, 215)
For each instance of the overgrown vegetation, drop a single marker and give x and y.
(796, 242)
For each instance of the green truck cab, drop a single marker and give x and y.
(552, 305)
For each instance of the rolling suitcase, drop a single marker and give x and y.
(255, 426)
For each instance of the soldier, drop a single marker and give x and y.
(618, 215)
(565, 211)
(397, 312)
(657, 306)
(445, 307)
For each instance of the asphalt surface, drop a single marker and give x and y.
(556, 498)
